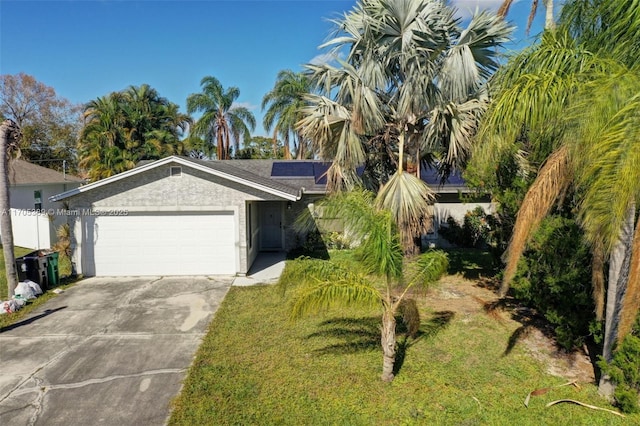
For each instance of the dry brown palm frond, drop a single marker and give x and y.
(631, 302)
(532, 14)
(552, 179)
(410, 316)
(504, 8)
(597, 277)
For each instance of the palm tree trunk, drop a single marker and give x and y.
(388, 341)
(6, 129)
(619, 263)
(287, 149)
(220, 147)
(549, 23)
(297, 142)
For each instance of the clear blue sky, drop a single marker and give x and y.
(86, 49)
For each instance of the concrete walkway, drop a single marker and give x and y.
(266, 269)
(108, 351)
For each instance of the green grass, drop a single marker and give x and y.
(7, 320)
(471, 263)
(18, 251)
(254, 367)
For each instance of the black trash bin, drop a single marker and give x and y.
(33, 267)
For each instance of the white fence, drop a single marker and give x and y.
(32, 229)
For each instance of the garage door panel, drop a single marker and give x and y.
(171, 244)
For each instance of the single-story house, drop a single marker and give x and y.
(33, 215)
(183, 216)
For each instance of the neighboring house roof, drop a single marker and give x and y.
(222, 169)
(22, 172)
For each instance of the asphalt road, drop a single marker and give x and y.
(108, 351)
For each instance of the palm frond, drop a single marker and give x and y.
(348, 290)
(305, 271)
(373, 229)
(408, 308)
(608, 152)
(451, 130)
(410, 201)
(553, 178)
(428, 268)
(469, 63)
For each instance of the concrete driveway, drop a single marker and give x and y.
(108, 351)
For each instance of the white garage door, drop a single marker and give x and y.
(165, 244)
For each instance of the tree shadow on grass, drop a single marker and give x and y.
(471, 263)
(363, 334)
(427, 330)
(357, 334)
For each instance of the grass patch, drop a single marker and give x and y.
(471, 263)
(254, 367)
(19, 252)
(6, 320)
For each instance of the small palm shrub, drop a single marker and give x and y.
(624, 370)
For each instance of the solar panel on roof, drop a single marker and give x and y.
(431, 177)
(292, 168)
(320, 172)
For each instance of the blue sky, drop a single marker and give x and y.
(88, 48)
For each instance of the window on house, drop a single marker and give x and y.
(37, 199)
(175, 171)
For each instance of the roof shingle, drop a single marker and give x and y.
(22, 172)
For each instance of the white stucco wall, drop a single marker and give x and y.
(155, 191)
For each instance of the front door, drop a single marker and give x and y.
(271, 226)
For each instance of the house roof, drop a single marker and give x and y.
(288, 179)
(217, 168)
(311, 175)
(308, 175)
(22, 172)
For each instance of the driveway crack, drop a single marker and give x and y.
(43, 389)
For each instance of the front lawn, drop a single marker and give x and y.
(254, 367)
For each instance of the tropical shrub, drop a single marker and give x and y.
(624, 369)
(554, 277)
(476, 230)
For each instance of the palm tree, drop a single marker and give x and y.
(9, 138)
(574, 98)
(321, 283)
(222, 120)
(412, 79)
(285, 102)
(549, 22)
(126, 127)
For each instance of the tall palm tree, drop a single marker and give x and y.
(222, 120)
(412, 79)
(9, 138)
(126, 127)
(321, 283)
(549, 21)
(285, 102)
(574, 97)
